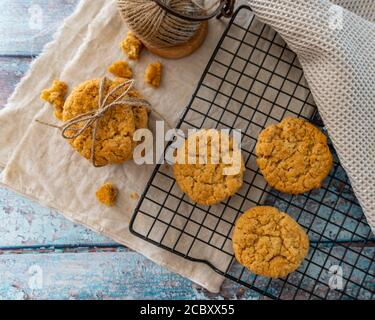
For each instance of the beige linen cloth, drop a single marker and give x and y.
(41, 165)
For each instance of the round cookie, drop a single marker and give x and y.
(114, 138)
(293, 156)
(212, 181)
(269, 242)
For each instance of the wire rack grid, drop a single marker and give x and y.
(252, 80)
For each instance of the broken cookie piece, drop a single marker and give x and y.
(131, 46)
(121, 69)
(153, 74)
(56, 96)
(107, 194)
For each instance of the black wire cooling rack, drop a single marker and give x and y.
(252, 80)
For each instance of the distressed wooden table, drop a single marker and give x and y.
(44, 256)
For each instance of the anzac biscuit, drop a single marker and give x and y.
(293, 156)
(269, 242)
(211, 182)
(114, 138)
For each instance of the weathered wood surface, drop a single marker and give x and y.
(81, 264)
(121, 274)
(24, 223)
(26, 26)
(76, 263)
(11, 71)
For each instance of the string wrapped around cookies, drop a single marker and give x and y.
(100, 118)
(73, 128)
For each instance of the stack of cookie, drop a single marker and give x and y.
(114, 138)
(294, 158)
(114, 142)
(105, 137)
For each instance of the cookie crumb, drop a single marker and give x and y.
(56, 96)
(121, 69)
(107, 194)
(134, 196)
(153, 74)
(131, 46)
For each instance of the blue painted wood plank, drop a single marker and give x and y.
(26, 223)
(103, 275)
(27, 25)
(11, 71)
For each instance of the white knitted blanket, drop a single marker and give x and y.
(337, 51)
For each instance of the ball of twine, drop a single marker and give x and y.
(157, 28)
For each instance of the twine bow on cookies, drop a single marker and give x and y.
(69, 130)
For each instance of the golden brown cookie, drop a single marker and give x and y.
(107, 194)
(121, 69)
(114, 138)
(131, 46)
(56, 96)
(212, 181)
(153, 74)
(269, 242)
(293, 156)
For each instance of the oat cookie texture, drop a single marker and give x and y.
(131, 46)
(210, 181)
(114, 139)
(153, 74)
(269, 242)
(293, 156)
(121, 69)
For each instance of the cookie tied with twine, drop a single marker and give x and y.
(162, 33)
(101, 117)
